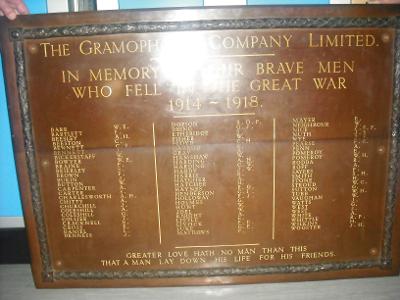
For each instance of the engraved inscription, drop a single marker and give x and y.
(360, 176)
(305, 190)
(218, 151)
(121, 142)
(191, 191)
(244, 170)
(76, 199)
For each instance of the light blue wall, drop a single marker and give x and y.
(9, 196)
(10, 205)
(286, 2)
(125, 4)
(36, 6)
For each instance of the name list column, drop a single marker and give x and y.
(191, 191)
(305, 189)
(74, 197)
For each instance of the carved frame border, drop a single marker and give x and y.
(17, 35)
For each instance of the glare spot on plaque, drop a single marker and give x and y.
(181, 58)
(218, 292)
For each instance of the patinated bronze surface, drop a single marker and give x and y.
(207, 146)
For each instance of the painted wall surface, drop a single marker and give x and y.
(285, 2)
(126, 4)
(37, 6)
(10, 205)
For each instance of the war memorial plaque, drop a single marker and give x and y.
(207, 146)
